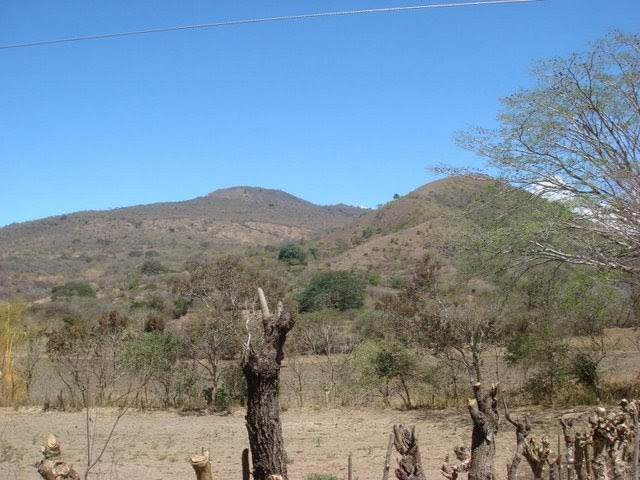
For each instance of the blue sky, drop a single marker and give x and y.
(346, 109)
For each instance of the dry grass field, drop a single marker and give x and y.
(154, 445)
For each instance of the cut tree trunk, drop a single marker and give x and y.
(51, 467)
(583, 456)
(484, 413)
(406, 443)
(537, 454)
(201, 465)
(261, 366)
(523, 428)
(569, 444)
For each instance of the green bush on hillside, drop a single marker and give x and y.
(292, 254)
(340, 290)
(73, 289)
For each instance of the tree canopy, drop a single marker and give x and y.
(573, 139)
(341, 290)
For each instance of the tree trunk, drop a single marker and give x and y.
(51, 467)
(484, 413)
(261, 367)
(406, 443)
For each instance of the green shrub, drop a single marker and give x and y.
(232, 389)
(152, 267)
(321, 476)
(73, 289)
(340, 290)
(292, 254)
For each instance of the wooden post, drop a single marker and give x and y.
(350, 467)
(201, 465)
(245, 464)
(636, 440)
(387, 459)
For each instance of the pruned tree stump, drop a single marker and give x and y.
(453, 470)
(51, 467)
(410, 464)
(201, 465)
(483, 409)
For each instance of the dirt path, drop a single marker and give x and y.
(155, 445)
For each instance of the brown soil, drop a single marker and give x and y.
(154, 445)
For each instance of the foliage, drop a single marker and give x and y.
(292, 254)
(72, 289)
(233, 388)
(211, 338)
(152, 267)
(321, 476)
(152, 356)
(390, 367)
(573, 140)
(89, 356)
(341, 290)
(451, 326)
(227, 284)
(12, 383)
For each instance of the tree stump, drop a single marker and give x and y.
(453, 470)
(611, 436)
(51, 467)
(201, 465)
(410, 464)
(537, 454)
(484, 413)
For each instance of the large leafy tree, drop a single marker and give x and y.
(573, 139)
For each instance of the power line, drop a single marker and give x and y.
(259, 20)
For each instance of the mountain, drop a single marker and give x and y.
(99, 245)
(130, 248)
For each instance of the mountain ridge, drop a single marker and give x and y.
(113, 247)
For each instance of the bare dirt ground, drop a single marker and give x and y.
(154, 445)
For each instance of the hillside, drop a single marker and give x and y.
(111, 245)
(391, 238)
(113, 248)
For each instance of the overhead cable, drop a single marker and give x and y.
(259, 20)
